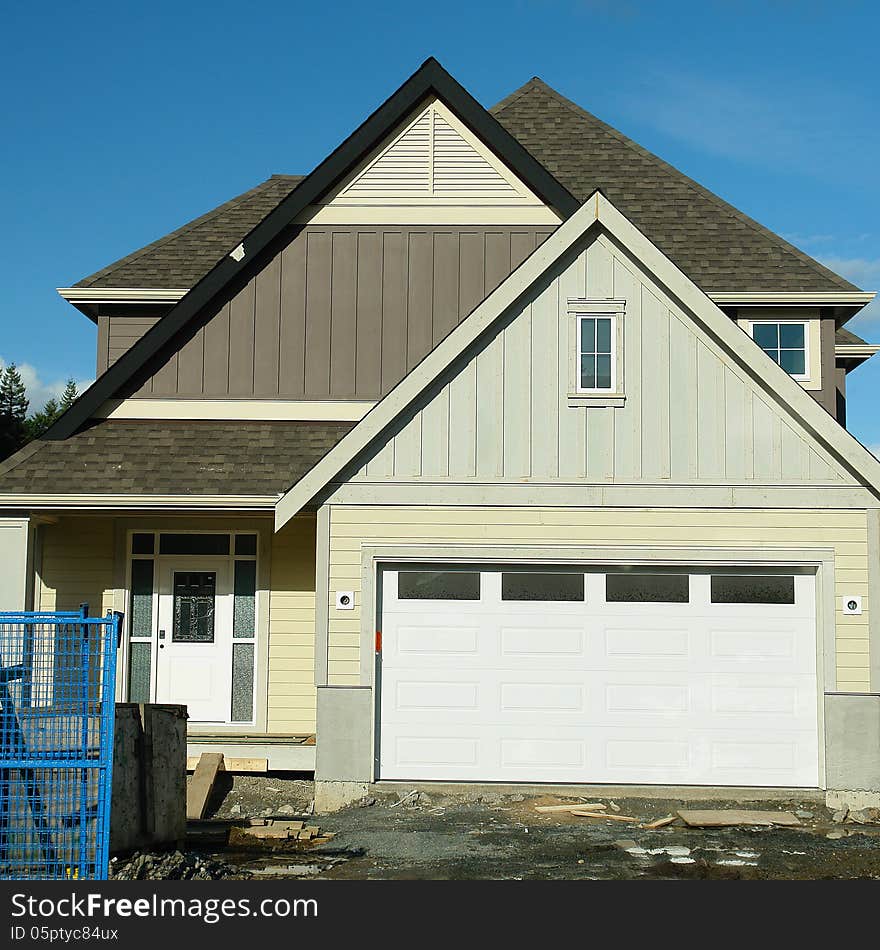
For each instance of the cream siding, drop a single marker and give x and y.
(292, 695)
(432, 169)
(77, 565)
(691, 416)
(352, 527)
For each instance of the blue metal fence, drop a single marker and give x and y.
(57, 685)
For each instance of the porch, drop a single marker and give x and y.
(219, 616)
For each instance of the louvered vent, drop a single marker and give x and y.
(431, 158)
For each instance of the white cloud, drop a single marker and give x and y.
(864, 272)
(40, 391)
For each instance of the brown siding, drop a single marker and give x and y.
(341, 312)
(120, 335)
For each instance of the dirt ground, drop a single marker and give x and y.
(501, 836)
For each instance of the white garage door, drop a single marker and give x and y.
(549, 675)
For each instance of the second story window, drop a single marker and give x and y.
(596, 353)
(785, 342)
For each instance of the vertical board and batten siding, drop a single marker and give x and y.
(342, 312)
(77, 565)
(292, 695)
(352, 527)
(691, 415)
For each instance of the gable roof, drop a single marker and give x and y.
(183, 257)
(513, 292)
(161, 457)
(717, 246)
(429, 79)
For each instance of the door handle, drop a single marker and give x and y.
(161, 637)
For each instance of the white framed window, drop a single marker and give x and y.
(596, 353)
(786, 342)
(596, 347)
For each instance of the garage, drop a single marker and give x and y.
(670, 676)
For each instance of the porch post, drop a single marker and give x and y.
(16, 562)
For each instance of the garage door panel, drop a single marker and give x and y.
(693, 693)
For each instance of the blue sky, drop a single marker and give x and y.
(122, 121)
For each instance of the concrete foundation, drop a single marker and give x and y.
(852, 742)
(331, 796)
(345, 727)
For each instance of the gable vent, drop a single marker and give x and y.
(433, 157)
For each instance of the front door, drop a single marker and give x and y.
(195, 637)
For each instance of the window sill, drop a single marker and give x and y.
(596, 400)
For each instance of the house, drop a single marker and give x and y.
(494, 449)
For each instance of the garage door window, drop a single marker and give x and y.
(438, 585)
(752, 589)
(542, 587)
(647, 588)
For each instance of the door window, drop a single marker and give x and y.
(194, 606)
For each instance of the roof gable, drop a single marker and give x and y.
(816, 439)
(718, 247)
(431, 161)
(430, 79)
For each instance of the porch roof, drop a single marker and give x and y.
(172, 458)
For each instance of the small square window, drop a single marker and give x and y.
(785, 343)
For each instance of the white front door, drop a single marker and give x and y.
(678, 678)
(194, 661)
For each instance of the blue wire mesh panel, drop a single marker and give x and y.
(57, 684)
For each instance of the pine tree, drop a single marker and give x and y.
(13, 411)
(37, 424)
(68, 396)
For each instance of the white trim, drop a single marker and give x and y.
(856, 350)
(101, 502)
(267, 410)
(513, 292)
(477, 213)
(580, 389)
(805, 376)
(122, 294)
(856, 298)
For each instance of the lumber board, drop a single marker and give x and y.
(731, 817)
(592, 806)
(232, 764)
(598, 814)
(199, 790)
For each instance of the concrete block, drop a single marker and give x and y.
(851, 799)
(332, 796)
(345, 734)
(852, 741)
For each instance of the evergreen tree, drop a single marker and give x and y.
(37, 424)
(68, 396)
(13, 411)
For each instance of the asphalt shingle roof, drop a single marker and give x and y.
(182, 258)
(718, 247)
(172, 458)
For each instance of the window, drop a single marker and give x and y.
(754, 589)
(438, 585)
(647, 588)
(596, 356)
(520, 585)
(785, 343)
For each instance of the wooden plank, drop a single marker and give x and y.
(232, 764)
(583, 806)
(199, 790)
(731, 817)
(660, 822)
(343, 314)
(369, 315)
(292, 331)
(594, 814)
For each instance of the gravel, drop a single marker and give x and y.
(172, 866)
